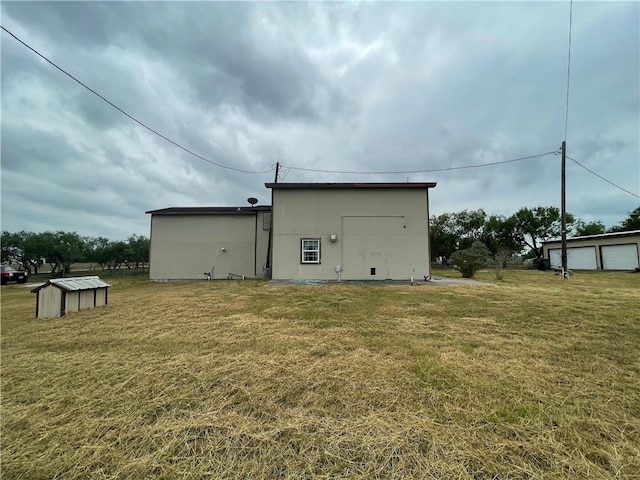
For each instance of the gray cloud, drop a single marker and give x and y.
(331, 86)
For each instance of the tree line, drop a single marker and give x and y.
(60, 250)
(490, 235)
(521, 233)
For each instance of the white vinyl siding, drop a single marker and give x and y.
(310, 250)
(578, 258)
(619, 257)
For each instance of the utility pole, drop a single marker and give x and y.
(270, 240)
(563, 207)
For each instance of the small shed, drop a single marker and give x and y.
(59, 296)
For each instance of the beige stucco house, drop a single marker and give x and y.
(208, 242)
(350, 231)
(608, 251)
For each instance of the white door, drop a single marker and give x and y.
(619, 257)
(578, 258)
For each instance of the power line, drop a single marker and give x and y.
(566, 113)
(130, 116)
(432, 170)
(288, 167)
(602, 178)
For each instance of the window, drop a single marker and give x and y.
(310, 250)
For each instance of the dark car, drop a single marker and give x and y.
(10, 274)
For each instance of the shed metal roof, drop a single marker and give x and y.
(75, 283)
(211, 210)
(315, 186)
(628, 233)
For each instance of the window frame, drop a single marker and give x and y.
(309, 250)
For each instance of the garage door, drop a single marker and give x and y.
(578, 258)
(619, 257)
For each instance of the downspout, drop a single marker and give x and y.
(255, 247)
(150, 247)
(268, 262)
(428, 240)
(341, 240)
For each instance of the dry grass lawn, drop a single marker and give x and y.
(532, 377)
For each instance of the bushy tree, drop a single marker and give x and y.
(499, 236)
(592, 228)
(532, 226)
(107, 253)
(632, 222)
(444, 240)
(469, 260)
(111, 255)
(22, 249)
(454, 231)
(471, 226)
(138, 251)
(62, 249)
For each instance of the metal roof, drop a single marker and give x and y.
(315, 186)
(75, 283)
(599, 235)
(211, 210)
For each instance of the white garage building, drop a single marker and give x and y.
(608, 251)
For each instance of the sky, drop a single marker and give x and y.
(341, 86)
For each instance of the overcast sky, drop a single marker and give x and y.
(327, 86)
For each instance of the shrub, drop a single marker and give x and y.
(470, 260)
